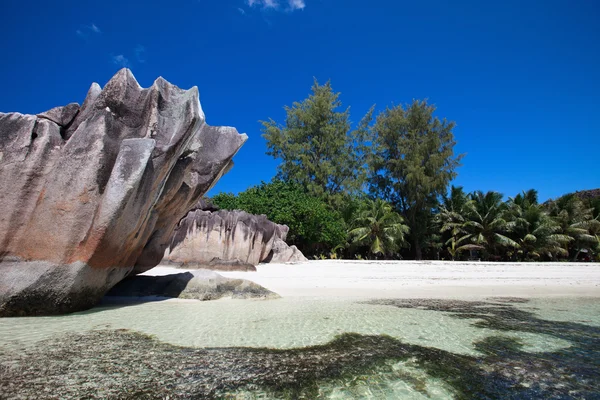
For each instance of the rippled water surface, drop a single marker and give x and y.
(311, 348)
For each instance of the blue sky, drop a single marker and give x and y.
(520, 78)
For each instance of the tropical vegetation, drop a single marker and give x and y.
(378, 228)
(383, 190)
(315, 227)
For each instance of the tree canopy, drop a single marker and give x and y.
(413, 163)
(316, 145)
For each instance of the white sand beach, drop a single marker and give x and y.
(421, 279)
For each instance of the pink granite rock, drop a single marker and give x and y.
(96, 191)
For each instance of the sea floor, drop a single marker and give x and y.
(308, 348)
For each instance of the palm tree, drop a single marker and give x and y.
(577, 221)
(451, 221)
(378, 227)
(595, 231)
(485, 223)
(537, 234)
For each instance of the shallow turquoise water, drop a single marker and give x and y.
(523, 338)
(291, 322)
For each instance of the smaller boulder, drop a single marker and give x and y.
(199, 285)
(282, 253)
(216, 264)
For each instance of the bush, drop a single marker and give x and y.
(314, 226)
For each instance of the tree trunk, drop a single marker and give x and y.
(415, 234)
(417, 247)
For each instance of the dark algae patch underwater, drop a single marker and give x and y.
(124, 364)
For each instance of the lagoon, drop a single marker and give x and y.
(311, 347)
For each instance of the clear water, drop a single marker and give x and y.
(289, 323)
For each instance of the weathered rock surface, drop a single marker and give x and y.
(200, 285)
(62, 116)
(216, 264)
(282, 253)
(94, 192)
(42, 287)
(203, 236)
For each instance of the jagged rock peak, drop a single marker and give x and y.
(101, 187)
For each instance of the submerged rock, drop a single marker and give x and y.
(119, 364)
(203, 236)
(90, 194)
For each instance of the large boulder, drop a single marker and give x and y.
(204, 237)
(91, 194)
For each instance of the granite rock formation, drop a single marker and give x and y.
(91, 194)
(199, 285)
(216, 264)
(203, 237)
(282, 253)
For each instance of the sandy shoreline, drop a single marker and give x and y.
(426, 279)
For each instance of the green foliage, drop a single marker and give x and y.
(413, 163)
(227, 201)
(537, 234)
(519, 229)
(485, 224)
(594, 205)
(316, 146)
(314, 226)
(406, 159)
(377, 227)
(451, 220)
(576, 220)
